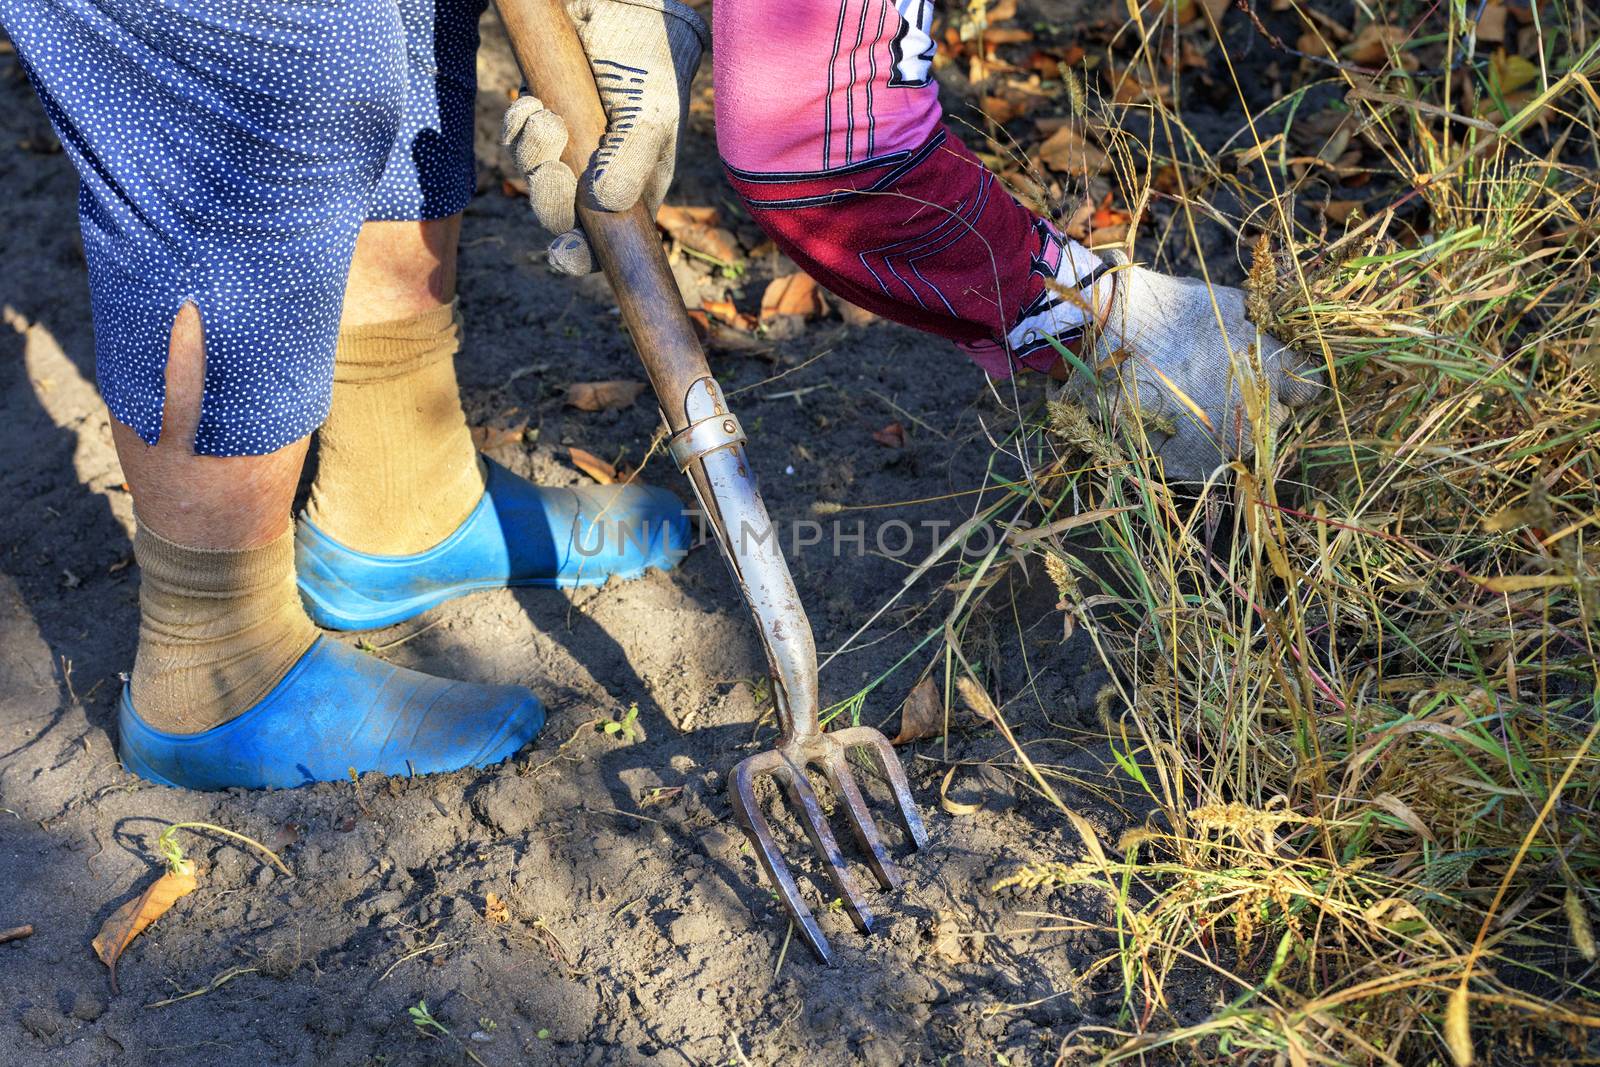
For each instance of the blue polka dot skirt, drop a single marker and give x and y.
(228, 152)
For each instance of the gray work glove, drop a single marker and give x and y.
(1162, 339)
(644, 54)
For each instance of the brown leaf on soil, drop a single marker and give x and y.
(1372, 45)
(1066, 151)
(1106, 215)
(1189, 10)
(792, 294)
(1001, 110)
(1492, 24)
(593, 466)
(922, 715)
(495, 910)
(853, 315)
(1128, 89)
(1339, 211)
(500, 431)
(998, 35)
(891, 436)
(1313, 44)
(1509, 73)
(603, 396)
(1107, 236)
(720, 337)
(722, 310)
(1078, 224)
(712, 241)
(130, 920)
(672, 218)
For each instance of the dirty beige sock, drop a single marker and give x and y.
(396, 469)
(217, 629)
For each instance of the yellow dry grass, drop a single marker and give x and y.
(1357, 677)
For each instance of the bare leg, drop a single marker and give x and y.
(401, 269)
(203, 501)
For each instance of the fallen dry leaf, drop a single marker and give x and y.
(1492, 24)
(855, 316)
(1066, 152)
(711, 241)
(1339, 211)
(1508, 73)
(792, 294)
(593, 466)
(922, 715)
(720, 337)
(672, 218)
(1106, 215)
(996, 35)
(603, 396)
(954, 807)
(1108, 225)
(1373, 44)
(1128, 89)
(1078, 225)
(1002, 110)
(1189, 10)
(497, 432)
(1108, 236)
(891, 436)
(130, 920)
(494, 909)
(1315, 44)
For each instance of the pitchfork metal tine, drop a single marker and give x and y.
(822, 839)
(837, 768)
(905, 807)
(748, 811)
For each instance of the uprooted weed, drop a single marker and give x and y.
(1358, 674)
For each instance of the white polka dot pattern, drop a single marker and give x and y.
(431, 171)
(228, 152)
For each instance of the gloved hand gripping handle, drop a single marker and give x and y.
(708, 445)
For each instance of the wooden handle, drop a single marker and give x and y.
(625, 242)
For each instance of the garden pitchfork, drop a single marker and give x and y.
(708, 444)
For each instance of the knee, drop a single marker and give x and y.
(401, 268)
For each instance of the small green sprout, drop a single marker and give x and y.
(424, 1021)
(624, 728)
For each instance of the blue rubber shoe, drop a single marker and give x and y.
(519, 534)
(337, 709)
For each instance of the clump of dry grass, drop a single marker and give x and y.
(1359, 677)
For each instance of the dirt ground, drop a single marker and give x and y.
(640, 929)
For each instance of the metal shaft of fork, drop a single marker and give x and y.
(751, 547)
